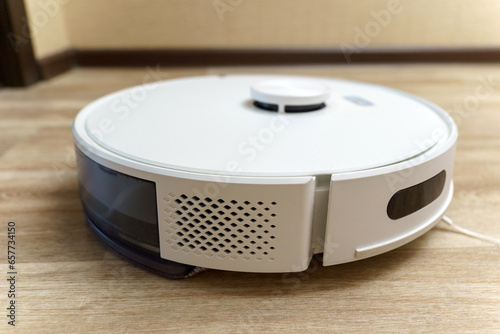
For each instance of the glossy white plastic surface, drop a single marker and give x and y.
(209, 125)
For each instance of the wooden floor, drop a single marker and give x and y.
(68, 282)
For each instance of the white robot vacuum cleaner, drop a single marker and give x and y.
(258, 173)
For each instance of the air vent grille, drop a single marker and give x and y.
(220, 228)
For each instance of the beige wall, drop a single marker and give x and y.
(48, 27)
(97, 24)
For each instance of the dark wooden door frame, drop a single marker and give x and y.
(18, 66)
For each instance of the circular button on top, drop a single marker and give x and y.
(291, 92)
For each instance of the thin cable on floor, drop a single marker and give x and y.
(195, 271)
(469, 233)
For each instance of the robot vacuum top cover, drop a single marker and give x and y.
(342, 168)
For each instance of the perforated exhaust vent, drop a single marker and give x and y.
(221, 228)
